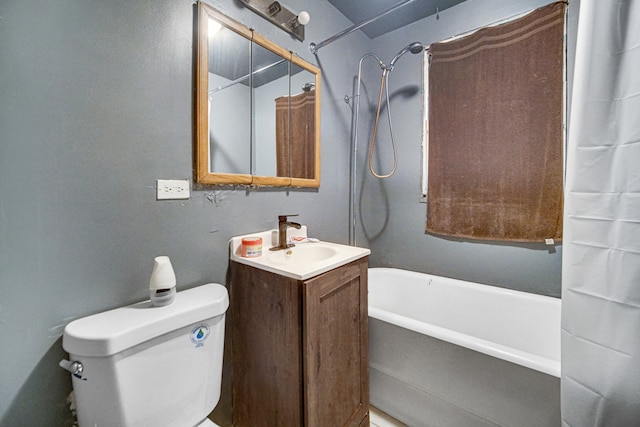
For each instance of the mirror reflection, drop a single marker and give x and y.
(257, 108)
(302, 126)
(229, 100)
(271, 80)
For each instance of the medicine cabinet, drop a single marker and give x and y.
(257, 108)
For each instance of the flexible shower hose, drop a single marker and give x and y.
(383, 81)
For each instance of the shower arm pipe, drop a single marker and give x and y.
(314, 47)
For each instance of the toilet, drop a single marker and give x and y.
(142, 365)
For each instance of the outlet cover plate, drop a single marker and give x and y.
(172, 189)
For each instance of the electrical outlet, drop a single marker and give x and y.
(168, 189)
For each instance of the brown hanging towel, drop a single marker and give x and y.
(496, 131)
(295, 152)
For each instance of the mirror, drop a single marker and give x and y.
(257, 108)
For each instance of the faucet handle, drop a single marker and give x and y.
(284, 217)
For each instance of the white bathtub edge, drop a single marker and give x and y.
(538, 363)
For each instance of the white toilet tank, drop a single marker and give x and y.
(150, 366)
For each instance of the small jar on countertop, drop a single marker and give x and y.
(251, 247)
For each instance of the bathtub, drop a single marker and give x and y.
(445, 352)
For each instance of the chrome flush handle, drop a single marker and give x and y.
(75, 367)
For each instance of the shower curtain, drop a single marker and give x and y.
(601, 258)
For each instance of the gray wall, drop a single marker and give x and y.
(96, 104)
(391, 219)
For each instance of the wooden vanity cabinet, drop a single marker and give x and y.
(300, 347)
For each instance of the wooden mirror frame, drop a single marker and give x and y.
(203, 174)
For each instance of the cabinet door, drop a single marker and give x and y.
(266, 343)
(335, 339)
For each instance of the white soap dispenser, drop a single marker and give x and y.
(162, 285)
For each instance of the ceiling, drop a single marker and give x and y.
(359, 11)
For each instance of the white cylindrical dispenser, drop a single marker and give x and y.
(162, 285)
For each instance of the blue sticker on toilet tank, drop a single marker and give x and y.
(199, 334)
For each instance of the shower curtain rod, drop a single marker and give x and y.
(313, 47)
(239, 79)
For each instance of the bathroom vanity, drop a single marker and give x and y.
(300, 345)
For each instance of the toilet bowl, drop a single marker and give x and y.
(142, 365)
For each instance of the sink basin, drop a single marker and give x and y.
(303, 261)
(304, 253)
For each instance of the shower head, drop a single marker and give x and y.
(415, 47)
(308, 86)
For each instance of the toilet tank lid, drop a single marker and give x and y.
(113, 331)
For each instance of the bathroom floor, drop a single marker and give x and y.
(378, 418)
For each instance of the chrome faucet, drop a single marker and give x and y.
(283, 224)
